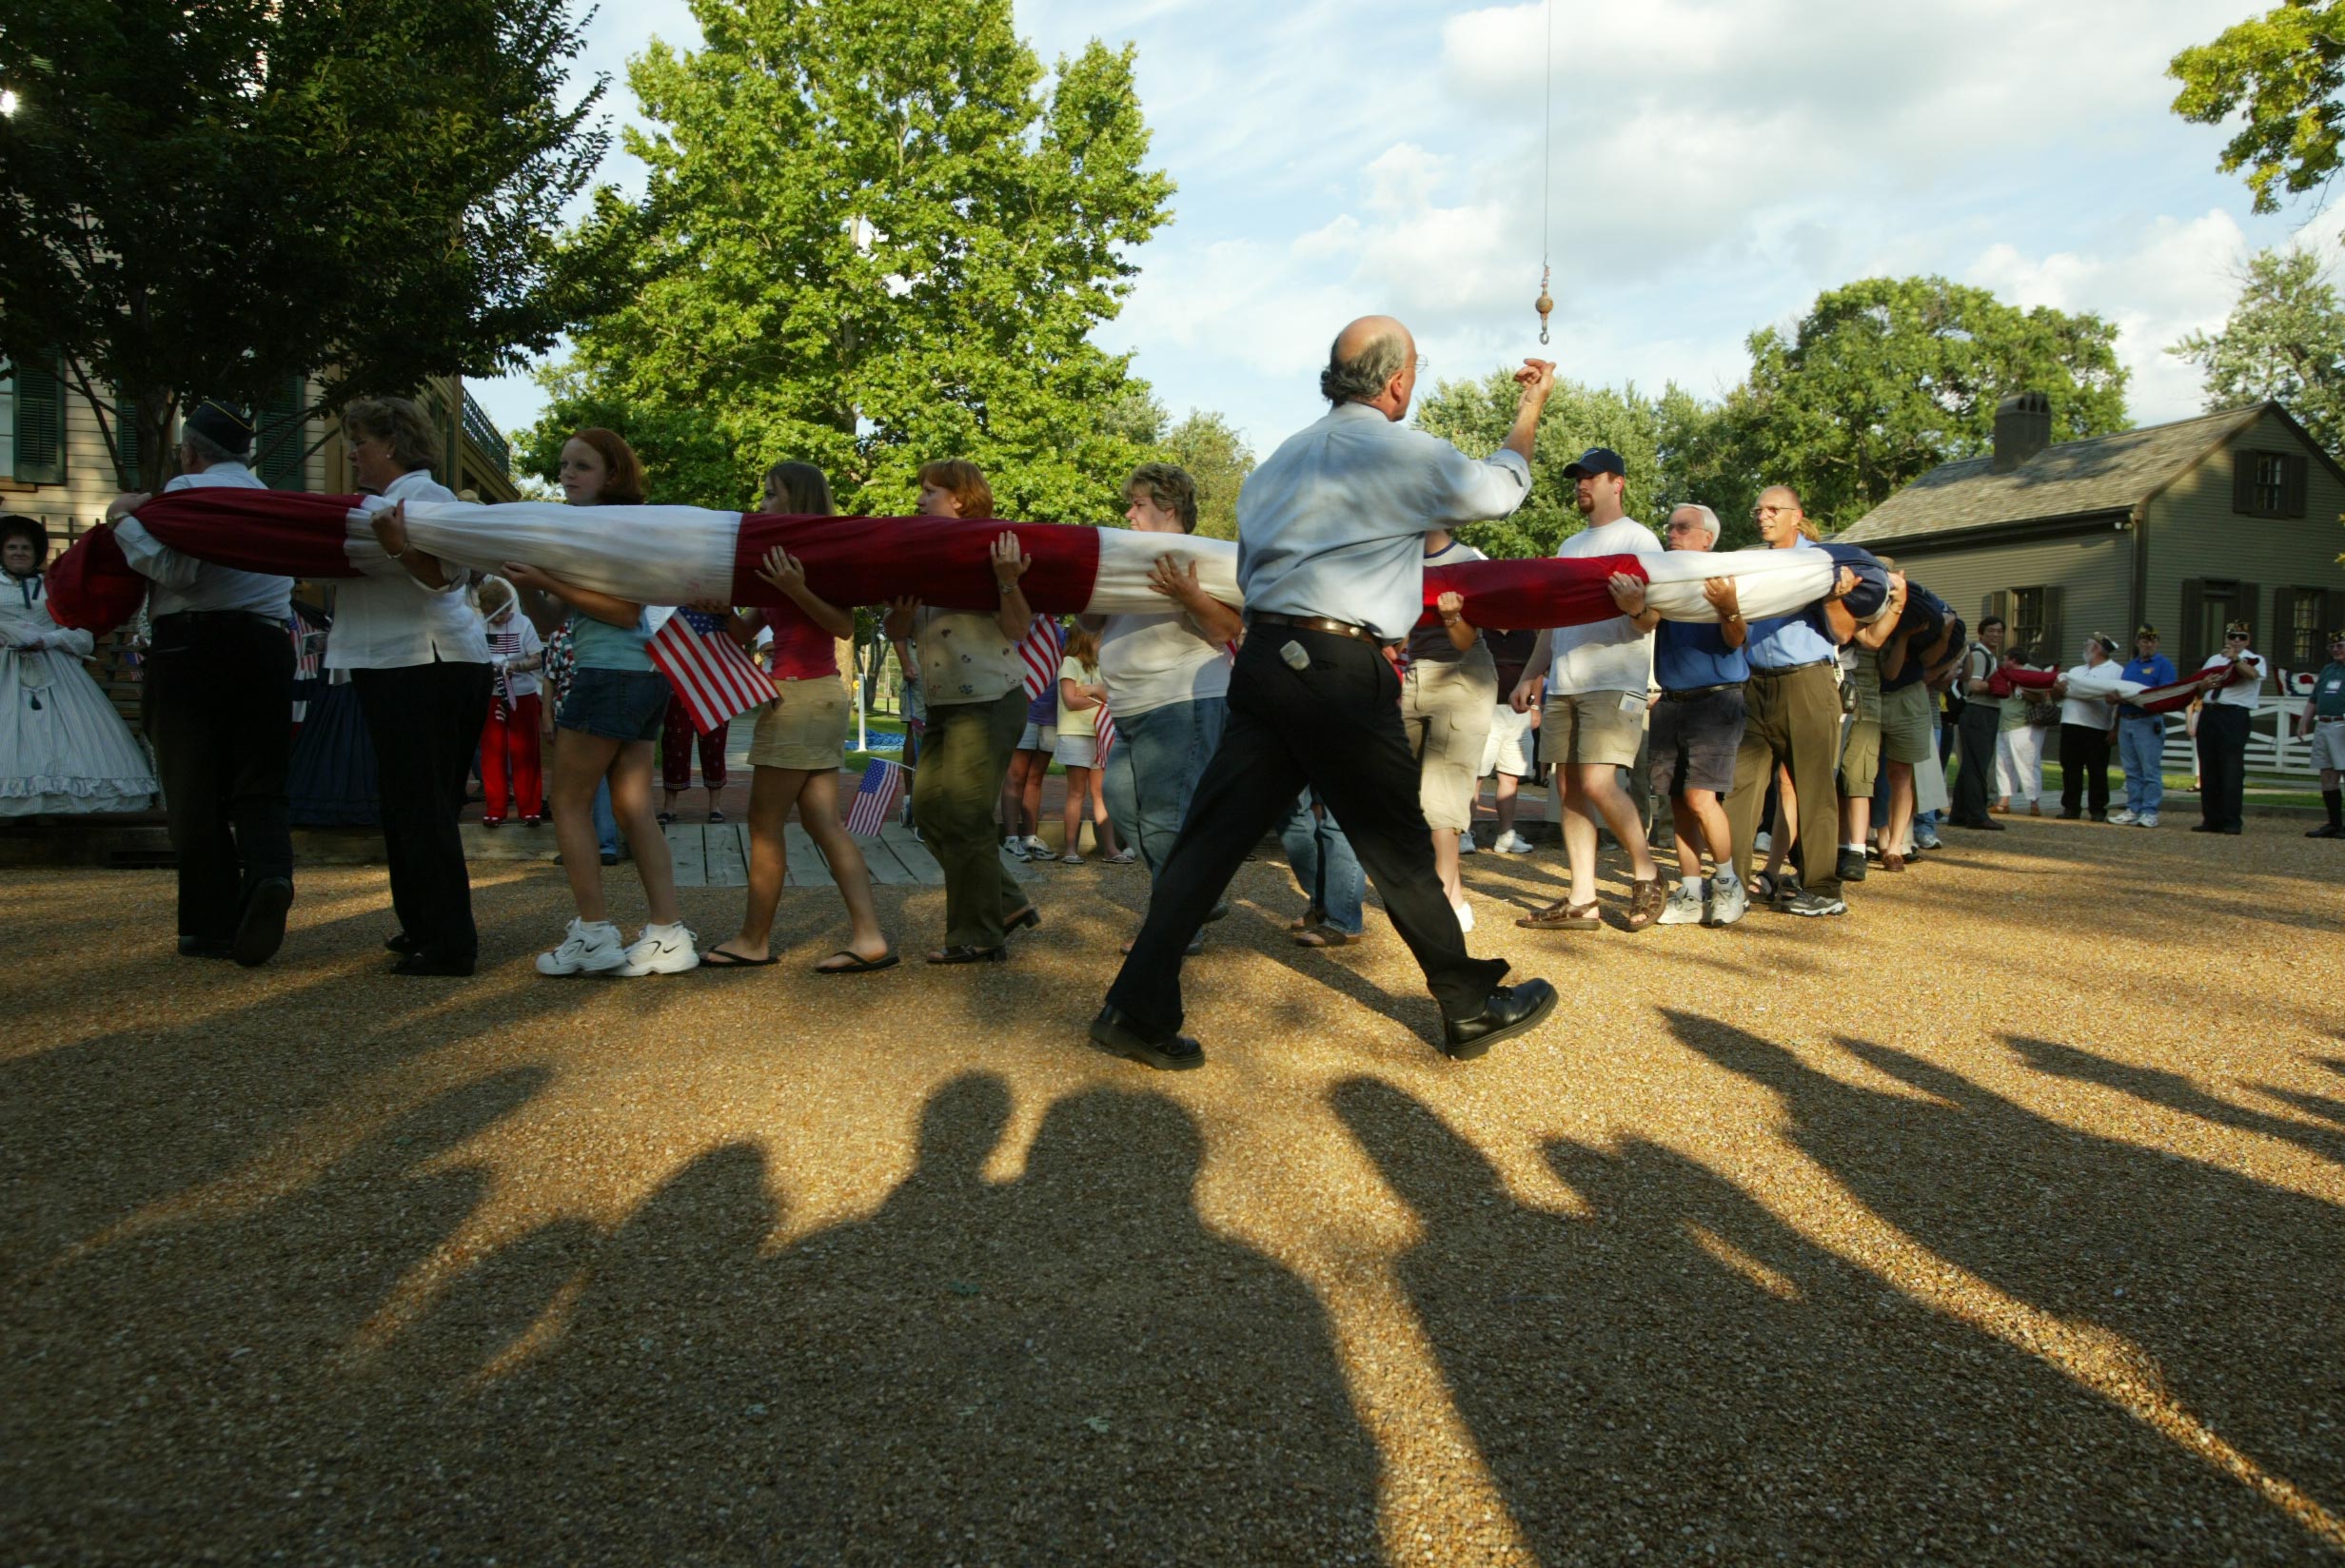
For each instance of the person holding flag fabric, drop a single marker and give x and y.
(974, 682)
(798, 749)
(613, 711)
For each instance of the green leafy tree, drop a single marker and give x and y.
(1219, 459)
(211, 197)
(873, 236)
(2282, 72)
(2284, 340)
(1886, 378)
(1476, 415)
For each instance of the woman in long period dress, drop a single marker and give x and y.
(62, 748)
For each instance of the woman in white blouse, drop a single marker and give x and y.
(419, 663)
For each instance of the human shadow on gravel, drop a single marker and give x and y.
(2233, 1289)
(2176, 1092)
(1065, 1367)
(1681, 1375)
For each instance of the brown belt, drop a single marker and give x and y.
(1312, 623)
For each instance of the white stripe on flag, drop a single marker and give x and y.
(871, 798)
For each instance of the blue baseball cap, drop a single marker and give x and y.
(1596, 459)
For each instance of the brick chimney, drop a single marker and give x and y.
(2022, 429)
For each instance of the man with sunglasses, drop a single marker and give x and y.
(2233, 677)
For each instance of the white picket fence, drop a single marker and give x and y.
(2273, 745)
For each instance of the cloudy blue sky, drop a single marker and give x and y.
(1715, 166)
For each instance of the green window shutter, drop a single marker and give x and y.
(125, 437)
(40, 426)
(2243, 482)
(2291, 502)
(281, 436)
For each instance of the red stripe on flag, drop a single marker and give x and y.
(941, 562)
(713, 677)
(280, 532)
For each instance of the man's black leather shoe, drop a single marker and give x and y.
(401, 944)
(1851, 867)
(1509, 1010)
(261, 932)
(196, 947)
(1118, 1035)
(433, 962)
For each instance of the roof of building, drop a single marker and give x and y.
(2066, 479)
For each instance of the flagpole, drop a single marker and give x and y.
(855, 657)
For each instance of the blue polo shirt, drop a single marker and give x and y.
(2156, 670)
(1781, 641)
(1925, 610)
(1690, 654)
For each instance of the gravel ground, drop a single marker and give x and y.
(1998, 1223)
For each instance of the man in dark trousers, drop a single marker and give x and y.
(1331, 558)
(1983, 719)
(218, 691)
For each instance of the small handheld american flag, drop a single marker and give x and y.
(871, 798)
(711, 674)
(1040, 653)
(1104, 729)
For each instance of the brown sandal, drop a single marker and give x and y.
(1646, 899)
(1563, 915)
(1327, 936)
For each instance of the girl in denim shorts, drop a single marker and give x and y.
(606, 730)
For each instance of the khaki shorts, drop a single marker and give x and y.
(1446, 712)
(1860, 758)
(1513, 745)
(805, 728)
(1594, 729)
(1908, 723)
(2329, 746)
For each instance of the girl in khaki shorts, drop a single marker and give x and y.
(795, 753)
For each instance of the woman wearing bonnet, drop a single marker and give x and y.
(62, 748)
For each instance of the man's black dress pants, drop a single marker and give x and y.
(1974, 785)
(1334, 725)
(218, 705)
(425, 720)
(2222, 765)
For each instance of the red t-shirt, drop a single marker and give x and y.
(803, 651)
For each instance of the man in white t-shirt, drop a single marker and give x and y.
(1597, 679)
(2088, 730)
(2234, 678)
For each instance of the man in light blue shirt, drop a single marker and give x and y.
(1331, 560)
(2141, 738)
(1792, 707)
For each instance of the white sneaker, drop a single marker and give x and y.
(1511, 842)
(2147, 819)
(661, 949)
(1464, 915)
(1684, 908)
(2122, 818)
(1729, 902)
(1034, 849)
(1016, 845)
(1466, 843)
(588, 950)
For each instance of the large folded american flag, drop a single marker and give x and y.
(1040, 652)
(711, 674)
(871, 798)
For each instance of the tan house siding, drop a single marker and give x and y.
(2093, 571)
(2195, 535)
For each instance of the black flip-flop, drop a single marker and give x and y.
(858, 965)
(716, 958)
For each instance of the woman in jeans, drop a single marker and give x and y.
(972, 675)
(606, 730)
(800, 742)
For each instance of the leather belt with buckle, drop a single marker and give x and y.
(1790, 669)
(1691, 693)
(1312, 623)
